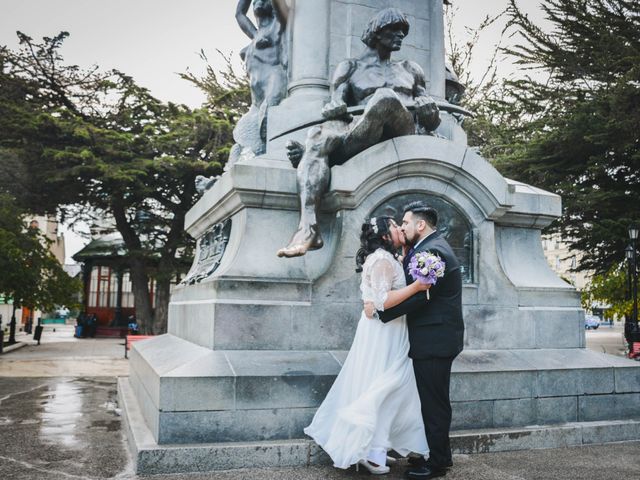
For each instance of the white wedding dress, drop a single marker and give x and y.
(373, 405)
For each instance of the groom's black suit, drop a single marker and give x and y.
(436, 331)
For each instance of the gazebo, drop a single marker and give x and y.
(107, 286)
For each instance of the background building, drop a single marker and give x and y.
(48, 225)
(564, 261)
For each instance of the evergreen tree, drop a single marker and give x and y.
(99, 141)
(572, 126)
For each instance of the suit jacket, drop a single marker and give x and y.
(436, 327)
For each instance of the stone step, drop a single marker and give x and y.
(197, 395)
(545, 436)
(151, 458)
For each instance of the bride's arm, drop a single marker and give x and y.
(382, 275)
(396, 297)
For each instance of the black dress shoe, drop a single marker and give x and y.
(417, 461)
(422, 473)
(421, 462)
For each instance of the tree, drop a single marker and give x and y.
(610, 288)
(574, 124)
(106, 144)
(483, 85)
(31, 275)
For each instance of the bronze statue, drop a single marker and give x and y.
(266, 63)
(394, 102)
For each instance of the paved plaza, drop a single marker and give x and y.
(60, 419)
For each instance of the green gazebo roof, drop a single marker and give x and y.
(110, 246)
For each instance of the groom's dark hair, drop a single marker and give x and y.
(423, 212)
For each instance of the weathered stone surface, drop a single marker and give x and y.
(233, 425)
(492, 385)
(151, 458)
(511, 413)
(554, 410)
(516, 439)
(475, 414)
(608, 407)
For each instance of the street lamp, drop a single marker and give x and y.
(631, 328)
(628, 253)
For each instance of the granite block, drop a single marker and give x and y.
(233, 425)
(294, 390)
(145, 405)
(276, 363)
(558, 329)
(608, 407)
(516, 439)
(192, 322)
(555, 383)
(492, 385)
(611, 431)
(490, 361)
(205, 384)
(326, 326)
(513, 413)
(551, 410)
(470, 415)
(252, 327)
(486, 324)
(194, 459)
(627, 378)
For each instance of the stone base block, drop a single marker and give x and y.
(151, 458)
(198, 395)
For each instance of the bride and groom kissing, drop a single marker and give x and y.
(392, 394)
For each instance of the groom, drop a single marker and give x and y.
(436, 331)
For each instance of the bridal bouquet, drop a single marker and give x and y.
(426, 268)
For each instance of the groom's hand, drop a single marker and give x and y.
(369, 309)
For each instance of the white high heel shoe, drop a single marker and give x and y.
(374, 470)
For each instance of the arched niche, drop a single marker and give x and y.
(452, 223)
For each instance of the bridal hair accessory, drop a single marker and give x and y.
(374, 224)
(427, 268)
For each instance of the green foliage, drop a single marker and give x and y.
(228, 93)
(610, 288)
(31, 275)
(80, 142)
(572, 126)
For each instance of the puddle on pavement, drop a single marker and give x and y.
(61, 413)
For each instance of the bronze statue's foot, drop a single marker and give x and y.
(302, 242)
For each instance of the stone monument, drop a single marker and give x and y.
(256, 340)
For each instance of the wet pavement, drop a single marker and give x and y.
(54, 428)
(67, 425)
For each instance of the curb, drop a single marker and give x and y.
(13, 347)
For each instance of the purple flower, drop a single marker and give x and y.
(426, 267)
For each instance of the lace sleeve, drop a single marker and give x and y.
(381, 276)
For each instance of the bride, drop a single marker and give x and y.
(373, 406)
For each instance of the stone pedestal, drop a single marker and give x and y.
(253, 349)
(255, 341)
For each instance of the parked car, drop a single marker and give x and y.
(591, 322)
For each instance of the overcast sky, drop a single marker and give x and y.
(153, 40)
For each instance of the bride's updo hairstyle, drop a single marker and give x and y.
(375, 234)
